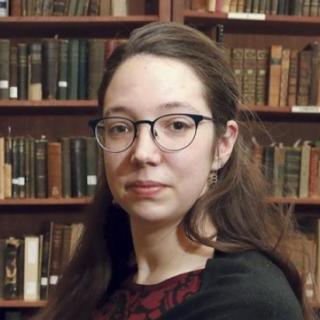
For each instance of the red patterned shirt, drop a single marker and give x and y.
(149, 302)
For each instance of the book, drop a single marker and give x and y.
(63, 69)
(285, 65)
(261, 76)
(314, 188)
(2, 248)
(315, 74)
(54, 170)
(4, 66)
(237, 65)
(8, 167)
(13, 78)
(293, 78)
(249, 76)
(22, 71)
(83, 69)
(4, 8)
(304, 170)
(21, 182)
(292, 171)
(120, 7)
(304, 77)
(278, 170)
(91, 165)
(41, 171)
(73, 69)
(66, 169)
(275, 75)
(35, 74)
(105, 7)
(2, 170)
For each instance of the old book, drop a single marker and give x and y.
(50, 58)
(211, 5)
(306, 7)
(233, 5)
(15, 168)
(80, 8)
(35, 85)
(240, 5)
(44, 275)
(281, 7)
(94, 7)
(304, 170)
(285, 65)
(63, 69)
(296, 7)
(292, 171)
(105, 7)
(66, 169)
(72, 8)
(267, 167)
(38, 5)
(73, 70)
(314, 190)
(248, 7)
(120, 7)
(83, 69)
(4, 8)
(22, 71)
(304, 77)
(268, 6)
(31, 268)
(13, 67)
(96, 66)
(293, 78)
(314, 8)
(4, 67)
(2, 173)
(59, 7)
(91, 166)
(29, 167)
(8, 167)
(237, 65)
(21, 181)
(255, 6)
(249, 76)
(78, 167)
(275, 75)
(274, 6)
(66, 246)
(54, 170)
(262, 5)
(41, 172)
(47, 8)
(278, 170)
(2, 248)
(315, 74)
(15, 8)
(261, 76)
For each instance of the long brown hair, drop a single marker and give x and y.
(236, 206)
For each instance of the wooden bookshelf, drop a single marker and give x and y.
(21, 304)
(296, 201)
(47, 202)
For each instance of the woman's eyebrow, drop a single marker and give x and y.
(177, 104)
(116, 109)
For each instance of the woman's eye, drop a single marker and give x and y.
(179, 125)
(118, 129)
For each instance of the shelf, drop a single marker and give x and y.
(273, 24)
(297, 201)
(22, 304)
(48, 106)
(92, 26)
(46, 202)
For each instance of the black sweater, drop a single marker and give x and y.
(240, 286)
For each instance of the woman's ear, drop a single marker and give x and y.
(225, 145)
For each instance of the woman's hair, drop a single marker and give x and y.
(236, 205)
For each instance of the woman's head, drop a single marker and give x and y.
(166, 69)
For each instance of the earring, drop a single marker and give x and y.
(212, 179)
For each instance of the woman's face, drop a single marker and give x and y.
(152, 185)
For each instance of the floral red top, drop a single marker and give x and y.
(149, 302)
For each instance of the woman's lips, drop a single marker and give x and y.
(145, 188)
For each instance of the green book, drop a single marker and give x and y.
(4, 68)
(83, 69)
(63, 69)
(22, 72)
(73, 71)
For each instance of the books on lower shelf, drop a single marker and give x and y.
(292, 171)
(31, 266)
(38, 168)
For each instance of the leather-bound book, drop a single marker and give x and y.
(293, 78)
(275, 75)
(4, 68)
(261, 80)
(29, 167)
(78, 167)
(15, 168)
(44, 275)
(54, 170)
(63, 69)
(21, 168)
(22, 72)
(73, 70)
(304, 170)
(66, 168)
(35, 85)
(13, 83)
(83, 69)
(41, 173)
(47, 8)
(94, 7)
(249, 76)
(314, 185)
(105, 7)
(50, 58)
(292, 171)
(59, 7)
(304, 77)
(15, 8)
(285, 65)
(91, 168)
(315, 74)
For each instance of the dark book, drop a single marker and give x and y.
(54, 170)
(292, 171)
(66, 168)
(262, 5)
(2, 248)
(295, 7)
(315, 74)
(37, 7)
(274, 7)
(261, 77)
(50, 70)
(268, 164)
(47, 7)
(73, 70)
(21, 268)
(4, 67)
(15, 168)
(13, 315)
(94, 8)
(15, 8)
(281, 7)
(63, 69)
(248, 6)
(80, 8)
(22, 71)
(29, 167)
(41, 172)
(249, 76)
(304, 77)
(91, 167)
(278, 170)
(13, 79)
(66, 247)
(10, 282)
(21, 168)
(83, 69)
(293, 78)
(44, 273)
(237, 65)
(78, 167)
(59, 7)
(96, 65)
(35, 85)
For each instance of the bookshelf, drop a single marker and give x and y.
(56, 118)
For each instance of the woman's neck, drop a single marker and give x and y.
(164, 252)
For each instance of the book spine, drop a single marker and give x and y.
(237, 65)
(278, 171)
(4, 66)
(315, 73)
(8, 167)
(13, 83)
(285, 65)
(293, 78)
(292, 172)
(304, 171)
(120, 7)
(59, 7)
(66, 169)
(44, 274)
(249, 76)
(91, 165)
(83, 69)
(54, 170)
(304, 78)
(63, 69)
(15, 8)
(2, 168)
(4, 8)
(275, 75)
(105, 7)
(261, 80)
(21, 168)
(22, 72)
(306, 7)
(314, 172)
(35, 87)
(15, 168)
(47, 7)
(73, 70)
(41, 173)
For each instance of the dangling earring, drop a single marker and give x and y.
(212, 179)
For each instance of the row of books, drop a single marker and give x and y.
(31, 266)
(37, 168)
(53, 68)
(11, 315)
(272, 7)
(64, 7)
(278, 76)
(292, 171)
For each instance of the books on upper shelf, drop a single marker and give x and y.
(32, 265)
(278, 76)
(291, 171)
(270, 7)
(53, 68)
(79, 7)
(38, 168)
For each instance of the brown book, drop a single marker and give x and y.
(199, 5)
(15, 8)
(41, 173)
(285, 65)
(249, 76)
(314, 172)
(315, 74)
(22, 72)
(275, 75)
(237, 65)
(94, 8)
(13, 83)
(278, 170)
(8, 167)
(66, 169)
(233, 5)
(66, 246)
(261, 77)
(2, 170)
(35, 83)
(304, 77)
(105, 7)
(54, 170)
(59, 7)
(240, 5)
(293, 78)
(4, 68)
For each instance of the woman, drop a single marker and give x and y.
(180, 228)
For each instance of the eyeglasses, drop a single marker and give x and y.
(171, 132)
